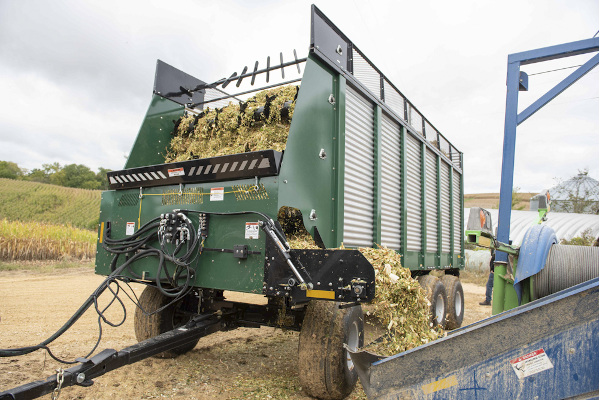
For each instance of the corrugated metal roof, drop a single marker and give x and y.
(580, 185)
(566, 225)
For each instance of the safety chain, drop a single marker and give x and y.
(60, 378)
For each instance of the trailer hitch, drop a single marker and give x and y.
(109, 359)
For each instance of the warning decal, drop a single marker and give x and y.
(252, 230)
(176, 172)
(531, 363)
(130, 228)
(217, 194)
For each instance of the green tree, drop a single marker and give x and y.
(75, 175)
(101, 178)
(10, 170)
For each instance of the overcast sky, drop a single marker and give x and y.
(77, 76)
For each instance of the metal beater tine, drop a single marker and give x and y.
(241, 76)
(268, 66)
(254, 73)
(296, 59)
(281, 60)
(228, 81)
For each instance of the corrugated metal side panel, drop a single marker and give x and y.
(413, 193)
(390, 184)
(358, 175)
(445, 191)
(458, 233)
(431, 200)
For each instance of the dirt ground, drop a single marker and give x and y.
(242, 364)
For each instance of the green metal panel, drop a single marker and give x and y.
(422, 261)
(340, 155)
(377, 177)
(306, 173)
(450, 179)
(439, 209)
(155, 134)
(403, 209)
(412, 260)
(213, 269)
(461, 262)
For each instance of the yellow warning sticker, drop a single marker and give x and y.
(321, 294)
(439, 385)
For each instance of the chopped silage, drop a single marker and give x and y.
(400, 303)
(260, 123)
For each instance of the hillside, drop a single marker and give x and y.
(491, 200)
(33, 201)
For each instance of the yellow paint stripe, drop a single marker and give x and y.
(439, 385)
(321, 294)
(101, 231)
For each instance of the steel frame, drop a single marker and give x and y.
(517, 81)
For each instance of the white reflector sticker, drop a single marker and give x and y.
(252, 230)
(176, 172)
(217, 194)
(130, 228)
(531, 363)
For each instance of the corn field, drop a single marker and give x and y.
(58, 205)
(27, 241)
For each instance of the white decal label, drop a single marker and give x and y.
(176, 172)
(252, 230)
(217, 194)
(130, 228)
(531, 363)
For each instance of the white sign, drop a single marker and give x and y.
(531, 363)
(130, 228)
(176, 172)
(252, 230)
(217, 194)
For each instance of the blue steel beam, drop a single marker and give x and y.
(511, 119)
(508, 156)
(558, 89)
(554, 52)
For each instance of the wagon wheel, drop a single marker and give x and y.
(456, 302)
(176, 315)
(436, 294)
(325, 368)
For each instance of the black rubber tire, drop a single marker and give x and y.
(324, 366)
(436, 294)
(455, 310)
(148, 326)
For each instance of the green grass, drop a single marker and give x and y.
(40, 202)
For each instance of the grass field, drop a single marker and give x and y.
(491, 200)
(37, 241)
(40, 202)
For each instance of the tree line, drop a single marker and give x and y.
(70, 175)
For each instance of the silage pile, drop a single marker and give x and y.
(260, 123)
(400, 305)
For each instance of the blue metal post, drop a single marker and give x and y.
(512, 119)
